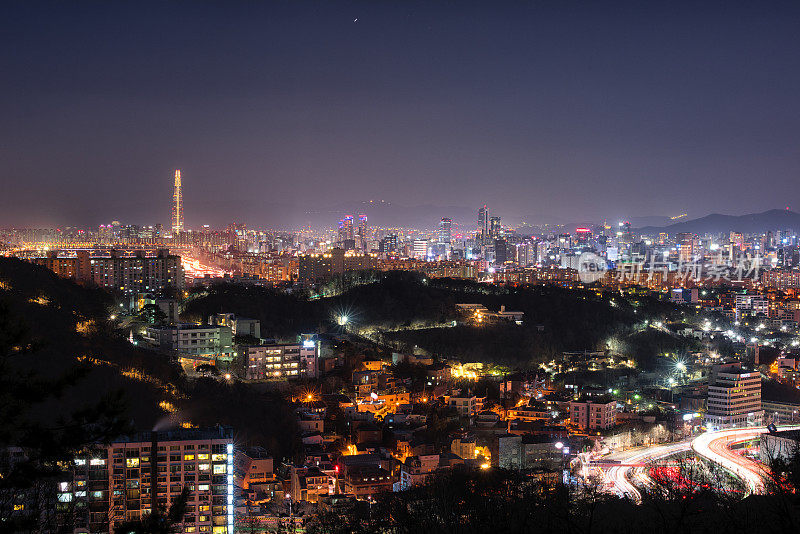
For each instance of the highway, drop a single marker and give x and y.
(716, 447)
(632, 464)
(624, 471)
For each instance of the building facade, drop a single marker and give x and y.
(127, 479)
(734, 397)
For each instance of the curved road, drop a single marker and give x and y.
(619, 475)
(715, 446)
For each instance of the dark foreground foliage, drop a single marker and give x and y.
(467, 502)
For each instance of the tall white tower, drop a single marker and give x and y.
(177, 204)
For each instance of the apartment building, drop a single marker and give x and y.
(127, 479)
(593, 414)
(192, 343)
(280, 360)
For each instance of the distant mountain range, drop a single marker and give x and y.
(716, 223)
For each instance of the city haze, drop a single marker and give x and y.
(279, 111)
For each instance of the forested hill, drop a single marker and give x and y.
(67, 328)
(407, 309)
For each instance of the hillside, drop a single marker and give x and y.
(402, 309)
(68, 328)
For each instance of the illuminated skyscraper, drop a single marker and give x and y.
(494, 227)
(445, 226)
(361, 241)
(177, 204)
(483, 225)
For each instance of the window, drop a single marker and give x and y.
(204, 467)
(202, 456)
(202, 487)
(132, 462)
(219, 469)
(188, 457)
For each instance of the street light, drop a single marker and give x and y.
(342, 320)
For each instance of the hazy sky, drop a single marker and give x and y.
(544, 110)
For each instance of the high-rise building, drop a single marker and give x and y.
(137, 272)
(445, 226)
(177, 204)
(483, 225)
(361, 241)
(388, 244)
(501, 251)
(347, 236)
(130, 477)
(494, 227)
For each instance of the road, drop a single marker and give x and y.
(716, 447)
(631, 465)
(624, 471)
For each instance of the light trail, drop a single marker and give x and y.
(619, 476)
(193, 268)
(715, 446)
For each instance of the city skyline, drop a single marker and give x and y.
(548, 113)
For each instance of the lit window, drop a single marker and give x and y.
(188, 457)
(202, 456)
(132, 462)
(204, 467)
(219, 469)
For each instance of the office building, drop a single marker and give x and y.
(494, 227)
(734, 397)
(483, 225)
(421, 249)
(445, 226)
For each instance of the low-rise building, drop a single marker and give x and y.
(279, 360)
(593, 414)
(194, 344)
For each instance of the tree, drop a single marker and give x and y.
(28, 481)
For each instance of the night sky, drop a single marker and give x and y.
(546, 111)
